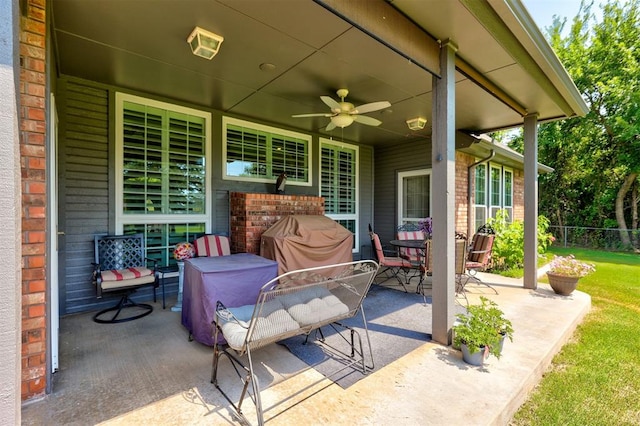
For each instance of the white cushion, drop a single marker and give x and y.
(313, 305)
(273, 320)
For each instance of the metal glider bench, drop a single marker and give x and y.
(294, 303)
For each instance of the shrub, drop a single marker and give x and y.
(508, 247)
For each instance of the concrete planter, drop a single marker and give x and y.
(562, 284)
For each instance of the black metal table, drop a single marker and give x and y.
(422, 247)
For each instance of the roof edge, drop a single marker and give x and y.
(517, 18)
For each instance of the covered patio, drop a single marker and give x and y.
(147, 372)
(79, 74)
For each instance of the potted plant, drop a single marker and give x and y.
(565, 271)
(481, 331)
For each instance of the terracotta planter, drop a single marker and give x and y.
(562, 284)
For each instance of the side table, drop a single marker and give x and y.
(163, 271)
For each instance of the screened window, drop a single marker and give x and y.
(339, 184)
(499, 188)
(495, 187)
(161, 152)
(260, 153)
(414, 196)
(508, 193)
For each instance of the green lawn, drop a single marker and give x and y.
(595, 379)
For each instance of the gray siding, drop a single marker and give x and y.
(86, 193)
(83, 188)
(389, 161)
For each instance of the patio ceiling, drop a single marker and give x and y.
(141, 46)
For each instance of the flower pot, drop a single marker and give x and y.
(562, 284)
(476, 358)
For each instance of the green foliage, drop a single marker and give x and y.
(508, 247)
(592, 155)
(483, 325)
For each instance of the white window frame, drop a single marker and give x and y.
(401, 196)
(120, 217)
(351, 216)
(489, 208)
(494, 208)
(267, 129)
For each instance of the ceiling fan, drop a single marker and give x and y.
(344, 113)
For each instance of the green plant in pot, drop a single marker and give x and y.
(481, 331)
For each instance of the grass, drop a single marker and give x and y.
(595, 379)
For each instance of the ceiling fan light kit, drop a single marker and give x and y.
(204, 43)
(344, 113)
(417, 123)
(342, 120)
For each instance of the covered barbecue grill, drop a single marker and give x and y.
(299, 241)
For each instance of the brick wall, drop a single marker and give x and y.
(252, 214)
(463, 161)
(518, 194)
(33, 166)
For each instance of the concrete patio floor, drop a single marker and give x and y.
(146, 371)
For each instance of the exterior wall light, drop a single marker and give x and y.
(204, 43)
(416, 123)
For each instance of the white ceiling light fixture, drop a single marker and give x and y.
(204, 43)
(417, 123)
(342, 120)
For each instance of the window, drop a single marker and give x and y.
(339, 184)
(253, 152)
(414, 196)
(507, 203)
(493, 194)
(495, 190)
(161, 172)
(480, 196)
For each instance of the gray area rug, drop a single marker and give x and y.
(398, 323)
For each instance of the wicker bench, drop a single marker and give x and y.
(294, 303)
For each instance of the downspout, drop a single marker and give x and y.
(470, 230)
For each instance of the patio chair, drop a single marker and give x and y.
(410, 231)
(212, 245)
(120, 266)
(394, 265)
(479, 255)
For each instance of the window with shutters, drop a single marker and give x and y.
(161, 172)
(258, 153)
(339, 184)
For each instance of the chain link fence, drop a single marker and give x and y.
(595, 238)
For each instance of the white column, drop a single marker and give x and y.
(443, 197)
(530, 201)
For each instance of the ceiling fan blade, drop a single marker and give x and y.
(315, 114)
(364, 119)
(373, 106)
(330, 126)
(331, 103)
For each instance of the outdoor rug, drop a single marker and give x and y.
(398, 323)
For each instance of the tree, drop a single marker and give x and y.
(597, 158)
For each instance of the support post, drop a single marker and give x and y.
(531, 201)
(443, 173)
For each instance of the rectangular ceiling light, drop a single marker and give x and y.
(417, 123)
(204, 43)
